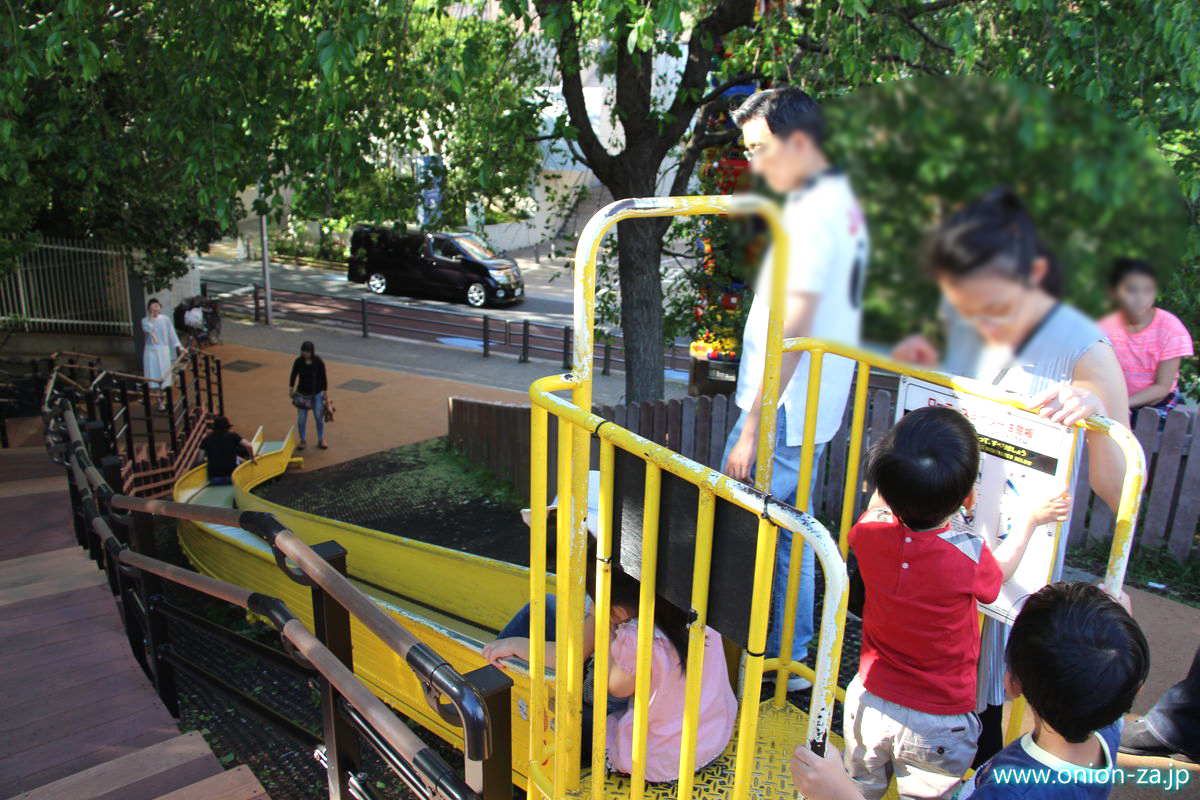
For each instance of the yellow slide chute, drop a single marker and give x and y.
(452, 601)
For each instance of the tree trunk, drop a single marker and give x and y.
(639, 248)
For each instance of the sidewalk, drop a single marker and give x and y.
(377, 409)
(416, 358)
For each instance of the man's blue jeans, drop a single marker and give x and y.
(785, 475)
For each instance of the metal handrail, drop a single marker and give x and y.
(435, 673)
(93, 490)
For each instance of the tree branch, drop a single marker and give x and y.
(929, 40)
(701, 140)
(596, 156)
(729, 84)
(634, 78)
(912, 12)
(728, 15)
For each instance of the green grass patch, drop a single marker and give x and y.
(424, 491)
(1180, 580)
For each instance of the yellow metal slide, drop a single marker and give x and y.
(453, 601)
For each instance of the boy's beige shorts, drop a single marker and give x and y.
(927, 753)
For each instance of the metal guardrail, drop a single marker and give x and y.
(524, 339)
(124, 544)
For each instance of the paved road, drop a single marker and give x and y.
(548, 293)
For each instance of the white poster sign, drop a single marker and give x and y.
(1023, 462)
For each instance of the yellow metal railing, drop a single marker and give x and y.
(1126, 516)
(554, 767)
(712, 485)
(576, 426)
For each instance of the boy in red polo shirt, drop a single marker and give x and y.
(910, 711)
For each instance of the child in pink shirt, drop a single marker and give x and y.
(1149, 342)
(668, 681)
(718, 706)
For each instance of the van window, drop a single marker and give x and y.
(444, 248)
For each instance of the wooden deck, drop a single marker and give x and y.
(77, 715)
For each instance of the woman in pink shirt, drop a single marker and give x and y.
(1150, 342)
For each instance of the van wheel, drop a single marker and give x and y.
(476, 295)
(377, 283)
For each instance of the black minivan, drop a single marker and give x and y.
(452, 266)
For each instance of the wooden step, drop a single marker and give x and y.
(141, 775)
(238, 783)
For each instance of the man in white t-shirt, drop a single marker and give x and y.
(784, 130)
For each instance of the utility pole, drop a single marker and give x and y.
(266, 267)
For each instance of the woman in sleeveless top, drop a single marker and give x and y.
(1006, 326)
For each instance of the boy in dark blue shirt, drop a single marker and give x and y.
(1079, 659)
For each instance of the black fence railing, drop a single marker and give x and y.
(153, 431)
(118, 532)
(488, 334)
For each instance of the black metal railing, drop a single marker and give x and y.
(154, 431)
(118, 532)
(487, 334)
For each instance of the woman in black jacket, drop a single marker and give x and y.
(307, 386)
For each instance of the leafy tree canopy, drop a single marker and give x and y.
(140, 121)
(1138, 60)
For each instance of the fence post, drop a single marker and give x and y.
(150, 449)
(204, 289)
(566, 347)
(106, 416)
(128, 421)
(486, 335)
(524, 342)
(96, 439)
(220, 388)
(256, 303)
(76, 506)
(195, 359)
(89, 399)
(607, 355)
(141, 540)
(365, 328)
(331, 624)
(208, 387)
(183, 401)
(171, 431)
(492, 778)
(110, 470)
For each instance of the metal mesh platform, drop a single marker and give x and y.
(780, 729)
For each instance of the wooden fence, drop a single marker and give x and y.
(497, 436)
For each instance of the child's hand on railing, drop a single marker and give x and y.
(822, 777)
(511, 647)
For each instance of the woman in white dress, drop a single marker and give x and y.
(162, 343)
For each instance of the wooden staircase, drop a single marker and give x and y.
(182, 768)
(78, 718)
